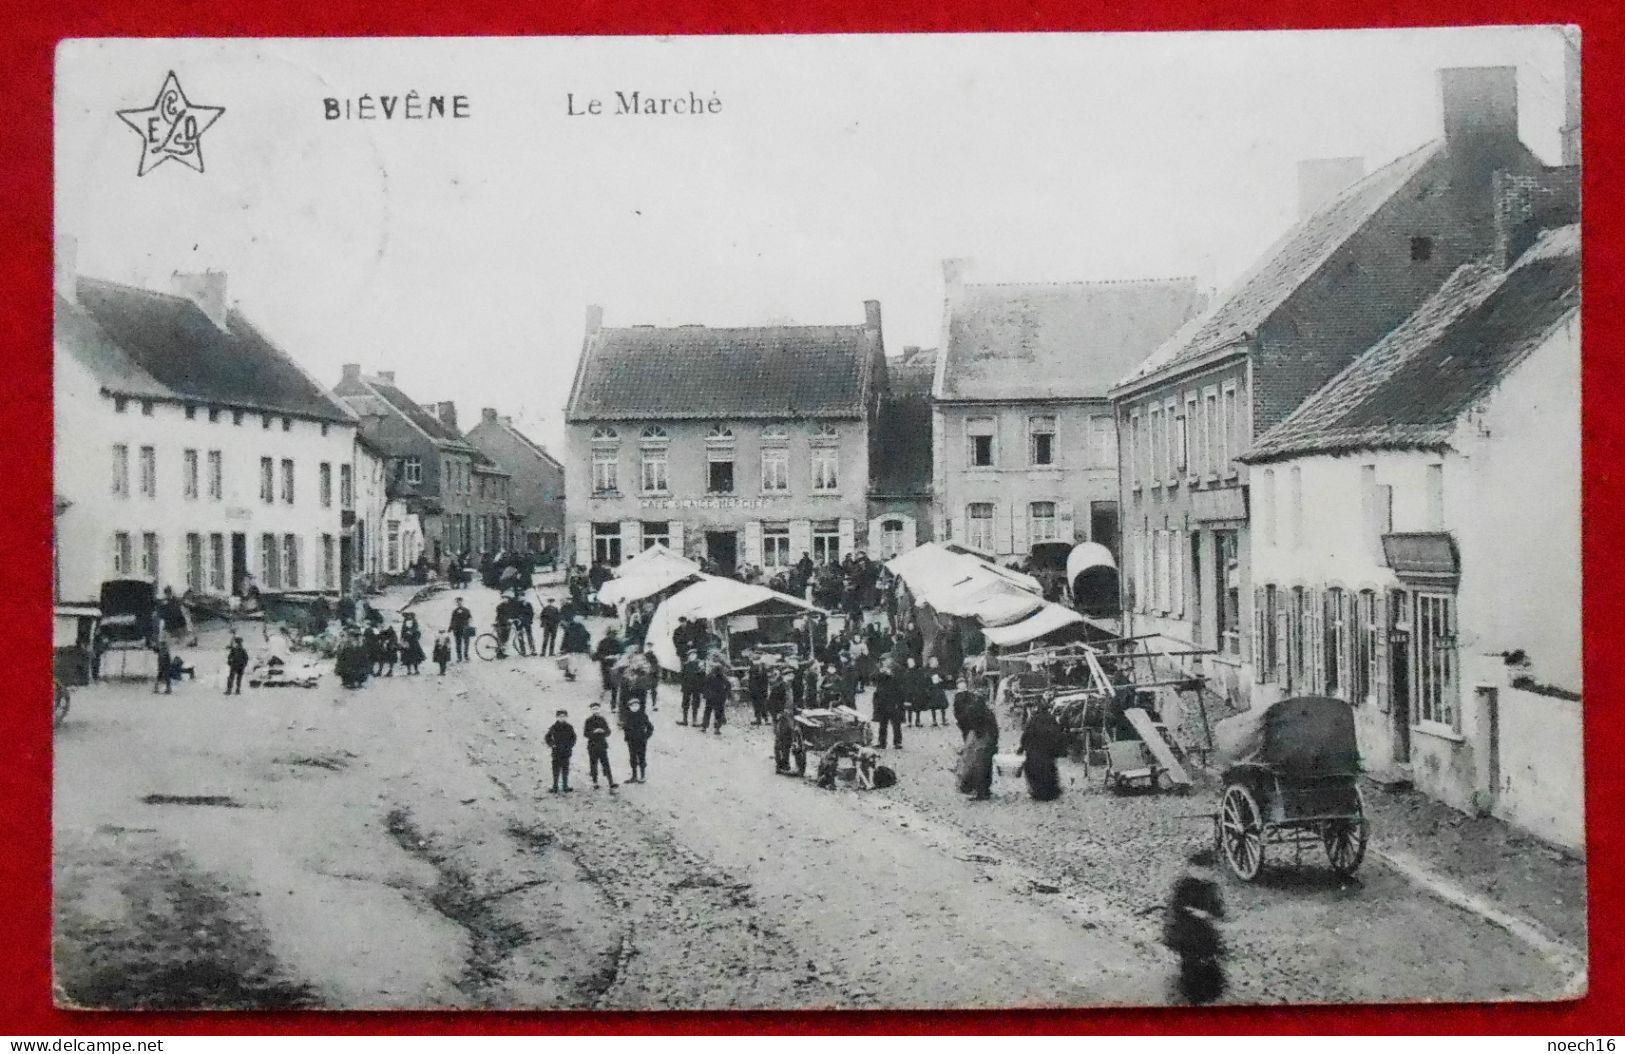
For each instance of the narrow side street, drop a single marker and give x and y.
(395, 846)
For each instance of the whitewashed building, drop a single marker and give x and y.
(1415, 540)
(190, 449)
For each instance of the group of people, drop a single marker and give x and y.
(636, 730)
(373, 649)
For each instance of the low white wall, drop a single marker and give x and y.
(1542, 781)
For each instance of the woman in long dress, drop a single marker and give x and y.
(976, 757)
(1041, 743)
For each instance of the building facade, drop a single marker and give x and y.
(190, 449)
(740, 447)
(535, 481)
(1024, 446)
(900, 457)
(1358, 262)
(1416, 548)
(431, 466)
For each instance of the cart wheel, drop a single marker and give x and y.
(485, 646)
(1345, 844)
(1241, 832)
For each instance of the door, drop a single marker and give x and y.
(239, 562)
(1399, 672)
(1103, 527)
(722, 548)
(346, 564)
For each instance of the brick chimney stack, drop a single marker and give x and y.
(387, 376)
(489, 413)
(871, 316)
(1479, 104)
(352, 371)
(206, 289)
(447, 412)
(1323, 178)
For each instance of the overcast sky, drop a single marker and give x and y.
(463, 254)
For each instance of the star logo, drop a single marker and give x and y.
(172, 127)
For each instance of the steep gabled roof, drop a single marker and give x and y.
(1409, 390)
(688, 372)
(426, 422)
(144, 340)
(527, 442)
(1285, 266)
(1056, 340)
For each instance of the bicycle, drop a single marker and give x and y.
(59, 706)
(489, 646)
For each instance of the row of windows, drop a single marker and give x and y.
(1170, 580)
(654, 472)
(1043, 442)
(281, 562)
(609, 541)
(1190, 437)
(206, 475)
(651, 435)
(1041, 520)
(121, 404)
(1361, 646)
(1279, 505)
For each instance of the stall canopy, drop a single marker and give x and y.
(932, 566)
(991, 600)
(1042, 623)
(649, 572)
(715, 598)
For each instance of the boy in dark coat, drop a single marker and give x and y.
(596, 731)
(637, 728)
(236, 663)
(461, 622)
(442, 652)
(756, 685)
(166, 667)
(715, 694)
(692, 679)
(550, 619)
(561, 740)
(889, 702)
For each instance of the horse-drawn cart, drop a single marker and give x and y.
(1294, 781)
(823, 731)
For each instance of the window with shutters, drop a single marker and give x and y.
(1103, 441)
(149, 555)
(346, 487)
(1363, 647)
(392, 544)
(149, 472)
(776, 546)
(891, 539)
(217, 477)
(1176, 571)
(1041, 522)
(290, 561)
(1228, 566)
(189, 475)
(122, 555)
(1268, 642)
(1334, 634)
(979, 525)
(287, 481)
(1230, 436)
(1212, 427)
(217, 563)
(329, 562)
(1295, 671)
(979, 435)
(1180, 448)
(605, 470)
(270, 562)
(1154, 456)
(826, 542)
(121, 470)
(1041, 440)
(775, 470)
(267, 480)
(1433, 655)
(1135, 478)
(719, 453)
(606, 543)
(1193, 437)
(324, 484)
(1294, 510)
(194, 562)
(652, 477)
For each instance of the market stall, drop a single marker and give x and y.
(651, 572)
(742, 616)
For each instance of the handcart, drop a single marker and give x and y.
(821, 731)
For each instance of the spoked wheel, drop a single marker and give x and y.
(1241, 832)
(485, 646)
(59, 708)
(1345, 844)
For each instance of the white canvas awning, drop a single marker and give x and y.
(715, 598)
(1044, 621)
(991, 600)
(647, 573)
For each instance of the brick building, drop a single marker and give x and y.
(1024, 447)
(535, 481)
(741, 446)
(900, 456)
(1343, 277)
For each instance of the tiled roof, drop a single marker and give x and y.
(1058, 340)
(76, 333)
(170, 342)
(1285, 266)
(1410, 388)
(644, 372)
(412, 411)
(912, 373)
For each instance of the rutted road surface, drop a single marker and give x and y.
(396, 846)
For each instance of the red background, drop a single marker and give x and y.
(26, 50)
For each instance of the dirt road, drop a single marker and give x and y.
(395, 846)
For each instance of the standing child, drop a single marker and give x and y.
(442, 651)
(560, 739)
(637, 729)
(236, 663)
(596, 729)
(166, 668)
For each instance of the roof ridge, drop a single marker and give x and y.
(1068, 283)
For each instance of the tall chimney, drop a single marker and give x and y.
(206, 289)
(65, 261)
(953, 275)
(489, 413)
(1479, 104)
(352, 371)
(595, 319)
(1323, 178)
(387, 376)
(447, 412)
(871, 315)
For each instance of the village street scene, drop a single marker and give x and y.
(1140, 642)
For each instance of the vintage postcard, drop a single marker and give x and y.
(795, 522)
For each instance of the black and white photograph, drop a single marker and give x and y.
(865, 522)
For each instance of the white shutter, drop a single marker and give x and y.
(1018, 527)
(584, 544)
(631, 538)
(676, 528)
(1176, 572)
(1066, 522)
(800, 538)
(753, 543)
(911, 533)
(1001, 533)
(848, 537)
